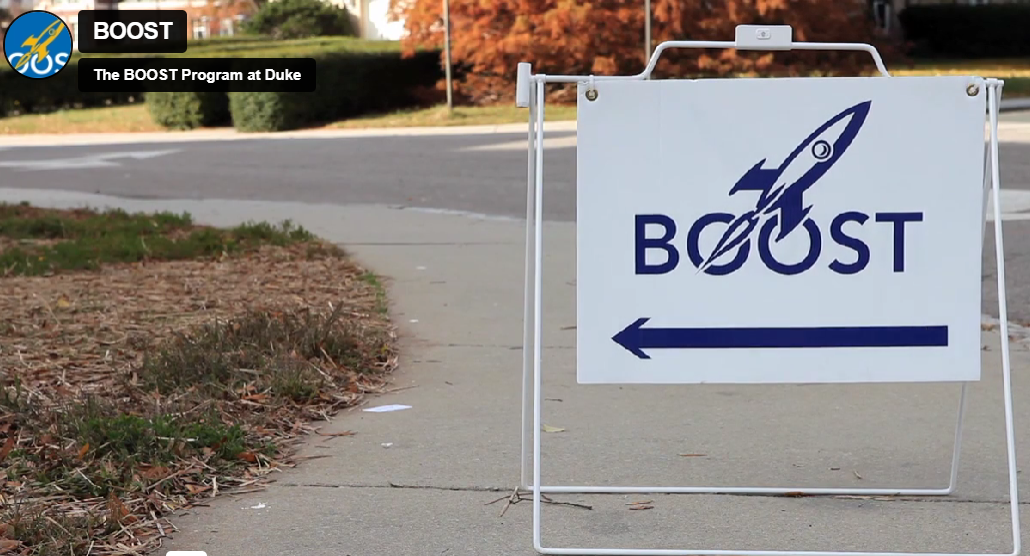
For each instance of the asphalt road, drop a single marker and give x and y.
(483, 174)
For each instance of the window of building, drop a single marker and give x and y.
(227, 29)
(200, 29)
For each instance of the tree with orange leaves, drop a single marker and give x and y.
(606, 37)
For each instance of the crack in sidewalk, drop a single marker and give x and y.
(392, 485)
(399, 486)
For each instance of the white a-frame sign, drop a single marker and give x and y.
(774, 231)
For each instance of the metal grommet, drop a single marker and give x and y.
(973, 89)
(592, 95)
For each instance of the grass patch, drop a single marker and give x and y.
(133, 118)
(1015, 72)
(461, 116)
(374, 281)
(131, 391)
(41, 241)
(136, 118)
(1001, 68)
(274, 354)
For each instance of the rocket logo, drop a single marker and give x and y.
(782, 188)
(38, 44)
(780, 209)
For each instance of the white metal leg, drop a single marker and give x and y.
(957, 450)
(527, 334)
(538, 217)
(993, 99)
(534, 252)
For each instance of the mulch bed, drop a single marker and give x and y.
(66, 337)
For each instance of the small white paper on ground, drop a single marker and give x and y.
(386, 444)
(260, 506)
(385, 408)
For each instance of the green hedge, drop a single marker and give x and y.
(347, 84)
(188, 110)
(964, 31)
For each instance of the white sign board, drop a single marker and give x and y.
(780, 230)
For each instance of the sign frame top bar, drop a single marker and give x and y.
(779, 39)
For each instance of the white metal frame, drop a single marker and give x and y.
(530, 94)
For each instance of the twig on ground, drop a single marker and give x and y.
(519, 495)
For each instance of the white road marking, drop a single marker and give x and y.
(523, 145)
(100, 160)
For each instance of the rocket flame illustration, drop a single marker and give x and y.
(783, 188)
(38, 45)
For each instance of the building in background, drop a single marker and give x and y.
(10, 9)
(372, 19)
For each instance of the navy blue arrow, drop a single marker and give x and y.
(635, 338)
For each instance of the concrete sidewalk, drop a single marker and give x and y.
(456, 286)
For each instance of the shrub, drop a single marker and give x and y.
(188, 110)
(347, 84)
(262, 111)
(605, 37)
(963, 31)
(294, 19)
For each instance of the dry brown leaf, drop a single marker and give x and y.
(8, 445)
(63, 303)
(248, 457)
(155, 473)
(794, 494)
(641, 507)
(118, 511)
(84, 450)
(194, 489)
(6, 545)
(641, 503)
